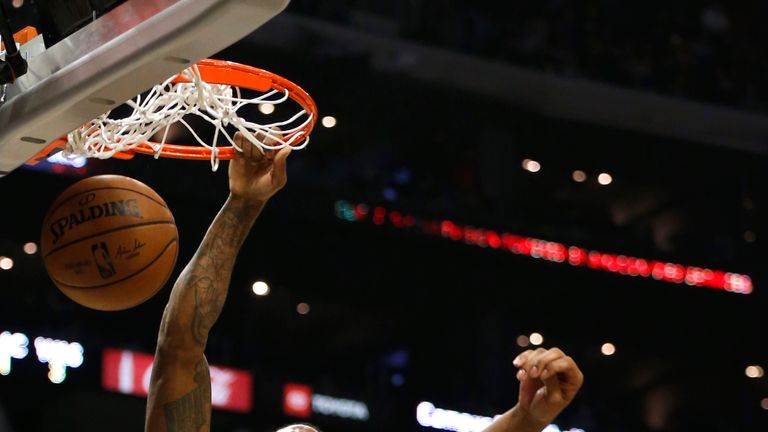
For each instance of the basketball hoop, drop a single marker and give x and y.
(211, 90)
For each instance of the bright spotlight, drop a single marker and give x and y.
(302, 308)
(754, 371)
(608, 349)
(6, 263)
(267, 108)
(536, 339)
(531, 165)
(260, 288)
(523, 341)
(329, 121)
(604, 179)
(30, 248)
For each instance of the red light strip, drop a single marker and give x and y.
(552, 251)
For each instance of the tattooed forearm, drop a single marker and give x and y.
(213, 266)
(196, 302)
(207, 307)
(193, 410)
(198, 296)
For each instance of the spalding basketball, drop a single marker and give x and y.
(109, 242)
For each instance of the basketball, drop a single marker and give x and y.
(109, 242)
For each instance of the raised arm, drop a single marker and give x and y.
(180, 387)
(549, 380)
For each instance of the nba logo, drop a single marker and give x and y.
(297, 400)
(103, 260)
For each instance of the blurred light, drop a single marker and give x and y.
(347, 211)
(579, 176)
(361, 211)
(536, 339)
(390, 194)
(344, 408)
(297, 401)
(339, 209)
(12, 346)
(531, 165)
(398, 380)
(764, 404)
(329, 121)
(6, 263)
(397, 359)
(260, 288)
(396, 218)
(302, 308)
(267, 108)
(73, 161)
(430, 416)
(403, 176)
(749, 236)
(554, 251)
(604, 179)
(59, 355)
(523, 341)
(30, 248)
(379, 213)
(608, 349)
(754, 371)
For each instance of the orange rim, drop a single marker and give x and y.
(218, 72)
(243, 76)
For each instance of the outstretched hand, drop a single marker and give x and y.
(549, 380)
(256, 175)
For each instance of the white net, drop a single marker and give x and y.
(169, 103)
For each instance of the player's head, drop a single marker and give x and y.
(299, 428)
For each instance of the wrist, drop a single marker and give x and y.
(520, 420)
(246, 203)
(246, 210)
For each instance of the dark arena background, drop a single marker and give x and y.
(488, 176)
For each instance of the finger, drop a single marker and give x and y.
(250, 152)
(528, 388)
(547, 365)
(271, 142)
(532, 363)
(523, 360)
(565, 374)
(280, 168)
(520, 359)
(243, 144)
(541, 361)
